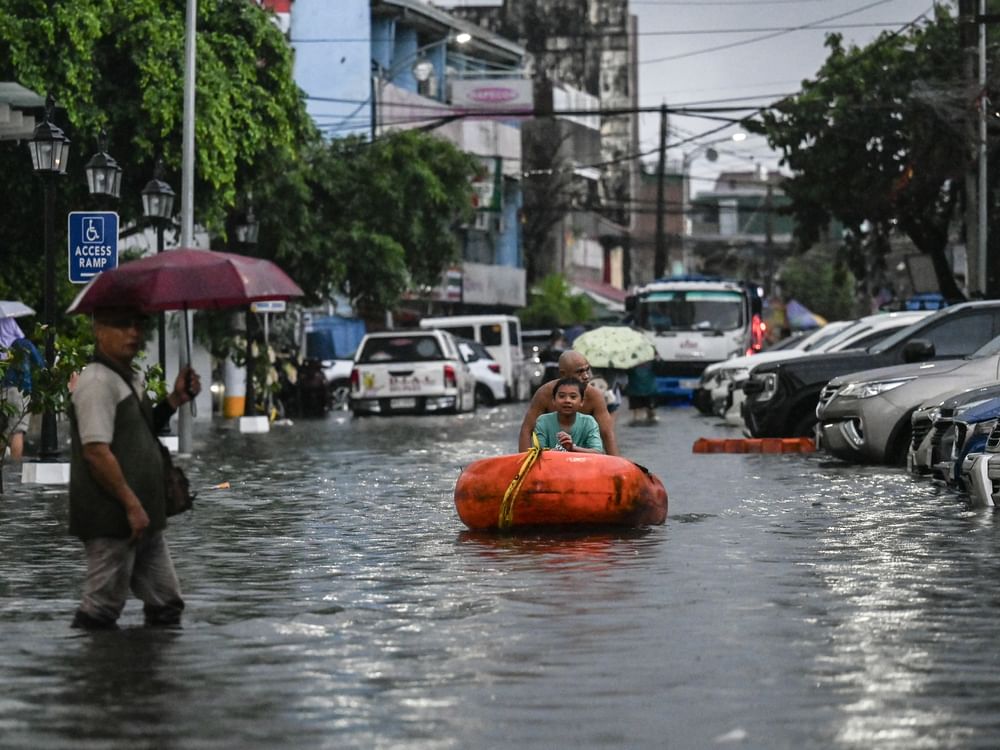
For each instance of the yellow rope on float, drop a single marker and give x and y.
(507, 506)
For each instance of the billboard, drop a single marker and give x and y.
(489, 95)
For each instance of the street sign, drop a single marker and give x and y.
(93, 244)
(268, 306)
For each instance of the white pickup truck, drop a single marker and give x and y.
(410, 372)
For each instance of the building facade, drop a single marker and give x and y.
(369, 67)
(583, 52)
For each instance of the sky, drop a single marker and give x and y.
(757, 72)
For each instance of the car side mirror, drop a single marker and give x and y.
(918, 350)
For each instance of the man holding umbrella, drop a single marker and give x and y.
(117, 478)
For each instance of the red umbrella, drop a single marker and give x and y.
(186, 279)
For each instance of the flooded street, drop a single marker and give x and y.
(335, 601)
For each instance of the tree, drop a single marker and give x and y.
(118, 66)
(876, 141)
(823, 286)
(386, 212)
(552, 304)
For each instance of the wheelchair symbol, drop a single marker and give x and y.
(93, 230)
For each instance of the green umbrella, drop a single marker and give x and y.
(616, 347)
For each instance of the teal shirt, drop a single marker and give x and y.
(585, 432)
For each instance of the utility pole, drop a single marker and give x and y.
(769, 234)
(983, 207)
(660, 256)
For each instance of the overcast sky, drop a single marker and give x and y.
(773, 66)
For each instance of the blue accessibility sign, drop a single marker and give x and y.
(93, 244)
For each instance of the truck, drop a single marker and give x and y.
(694, 321)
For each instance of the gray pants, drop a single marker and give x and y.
(114, 566)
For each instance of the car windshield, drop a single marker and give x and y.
(821, 336)
(691, 311)
(988, 349)
(400, 349)
(900, 335)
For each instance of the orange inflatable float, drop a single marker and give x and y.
(557, 488)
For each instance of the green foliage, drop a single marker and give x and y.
(825, 287)
(387, 212)
(876, 141)
(119, 66)
(552, 304)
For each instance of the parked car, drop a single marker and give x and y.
(781, 397)
(941, 434)
(491, 386)
(410, 372)
(712, 394)
(859, 334)
(981, 471)
(500, 334)
(968, 435)
(866, 416)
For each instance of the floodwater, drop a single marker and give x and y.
(334, 601)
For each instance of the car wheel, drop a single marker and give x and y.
(895, 453)
(804, 426)
(484, 395)
(702, 399)
(340, 390)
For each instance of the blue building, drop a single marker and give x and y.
(373, 66)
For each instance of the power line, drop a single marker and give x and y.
(764, 37)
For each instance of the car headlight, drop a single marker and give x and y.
(738, 373)
(870, 388)
(984, 428)
(769, 386)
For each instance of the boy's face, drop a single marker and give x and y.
(568, 399)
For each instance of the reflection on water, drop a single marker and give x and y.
(335, 600)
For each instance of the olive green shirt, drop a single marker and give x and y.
(106, 410)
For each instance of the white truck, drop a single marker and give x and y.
(694, 321)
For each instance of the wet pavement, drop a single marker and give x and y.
(335, 601)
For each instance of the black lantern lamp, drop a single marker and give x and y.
(49, 146)
(158, 207)
(158, 197)
(49, 149)
(104, 176)
(246, 233)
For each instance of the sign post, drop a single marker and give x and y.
(93, 244)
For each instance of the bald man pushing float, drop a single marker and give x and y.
(571, 365)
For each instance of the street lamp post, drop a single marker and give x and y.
(158, 207)
(246, 235)
(49, 148)
(712, 155)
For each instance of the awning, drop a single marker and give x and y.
(15, 124)
(609, 297)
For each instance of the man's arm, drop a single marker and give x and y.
(104, 467)
(599, 411)
(535, 409)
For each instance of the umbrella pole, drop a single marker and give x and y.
(184, 415)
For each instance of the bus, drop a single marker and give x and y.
(694, 321)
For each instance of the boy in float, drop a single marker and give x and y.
(565, 428)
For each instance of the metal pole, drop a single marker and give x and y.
(184, 420)
(983, 208)
(49, 449)
(250, 399)
(660, 254)
(161, 323)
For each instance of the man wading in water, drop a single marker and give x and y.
(571, 365)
